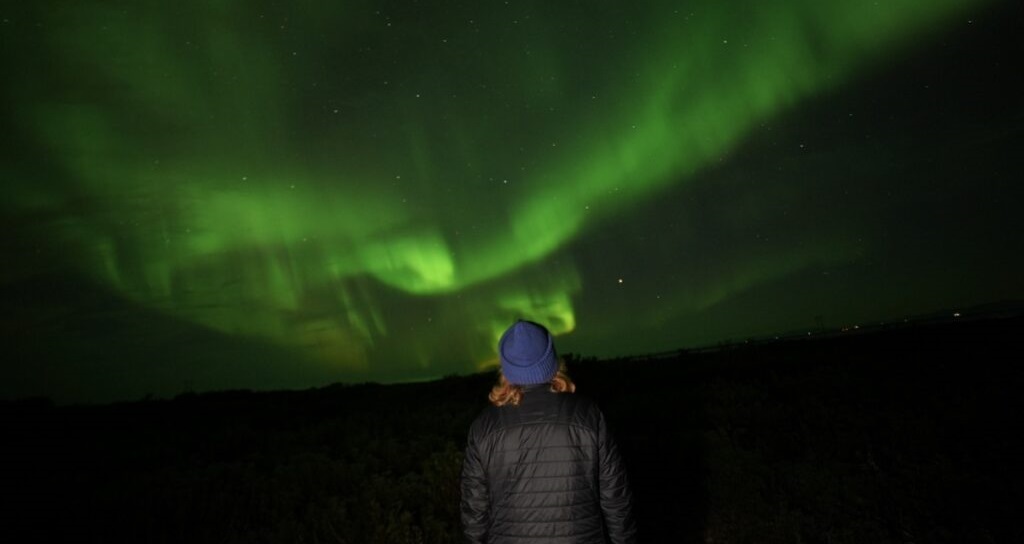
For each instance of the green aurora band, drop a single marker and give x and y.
(307, 174)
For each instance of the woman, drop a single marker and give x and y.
(540, 465)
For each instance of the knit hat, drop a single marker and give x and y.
(527, 354)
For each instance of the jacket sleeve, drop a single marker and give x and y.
(616, 496)
(475, 507)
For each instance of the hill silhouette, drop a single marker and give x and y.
(894, 435)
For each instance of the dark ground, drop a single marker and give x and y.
(901, 435)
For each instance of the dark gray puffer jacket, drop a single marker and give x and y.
(545, 471)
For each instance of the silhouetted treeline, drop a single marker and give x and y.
(895, 436)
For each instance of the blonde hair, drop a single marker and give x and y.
(504, 393)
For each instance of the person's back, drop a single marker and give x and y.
(543, 468)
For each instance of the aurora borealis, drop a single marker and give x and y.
(232, 194)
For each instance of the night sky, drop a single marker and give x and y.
(206, 195)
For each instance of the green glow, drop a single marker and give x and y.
(296, 175)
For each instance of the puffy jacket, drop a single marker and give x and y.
(545, 471)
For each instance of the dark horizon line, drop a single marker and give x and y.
(993, 311)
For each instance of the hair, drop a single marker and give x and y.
(504, 393)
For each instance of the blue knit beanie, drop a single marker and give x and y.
(527, 354)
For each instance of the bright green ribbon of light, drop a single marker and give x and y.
(278, 173)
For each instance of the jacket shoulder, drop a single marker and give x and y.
(566, 408)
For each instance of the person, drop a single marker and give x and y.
(540, 466)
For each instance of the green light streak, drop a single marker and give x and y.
(277, 174)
